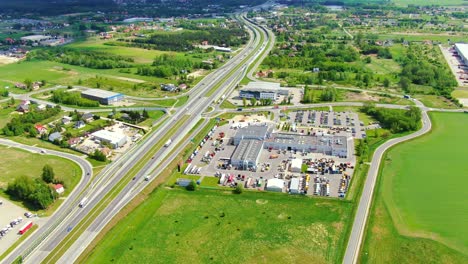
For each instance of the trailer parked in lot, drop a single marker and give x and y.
(25, 228)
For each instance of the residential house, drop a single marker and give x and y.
(55, 136)
(168, 87)
(73, 141)
(66, 119)
(59, 188)
(20, 85)
(22, 108)
(87, 117)
(40, 129)
(41, 107)
(182, 86)
(79, 124)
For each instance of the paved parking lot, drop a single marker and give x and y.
(9, 212)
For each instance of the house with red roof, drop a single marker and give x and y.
(59, 188)
(40, 129)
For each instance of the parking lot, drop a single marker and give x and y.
(212, 157)
(9, 213)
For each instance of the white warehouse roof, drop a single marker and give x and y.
(110, 136)
(100, 93)
(275, 185)
(463, 48)
(296, 164)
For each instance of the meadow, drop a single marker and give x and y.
(15, 162)
(429, 2)
(420, 211)
(217, 226)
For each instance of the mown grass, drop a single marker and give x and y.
(209, 225)
(419, 212)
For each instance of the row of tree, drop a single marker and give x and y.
(72, 98)
(36, 192)
(84, 58)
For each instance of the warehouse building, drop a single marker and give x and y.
(296, 165)
(251, 132)
(246, 155)
(275, 185)
(462, 50)
(102, 96)
(263, 90)
(114, 139)
(328, 145)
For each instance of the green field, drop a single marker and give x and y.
(206, 226)
(15, 162)
(420, 211)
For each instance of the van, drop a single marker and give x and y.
(83, 202)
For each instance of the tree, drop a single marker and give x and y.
(244, 101)
(253, 101)
(386, 83)
(191, 186)
(12, 101)
(48, 174)
(98, 155)
(145, 114)
(28, 84)
(239, 189)
(404, 83)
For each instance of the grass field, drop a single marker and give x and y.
(420, 211)
(219, 227)
(15, 162)
(435, 101)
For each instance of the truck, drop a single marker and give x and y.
(25, 228)
(83, 202)
(168, 142)
(273, 156)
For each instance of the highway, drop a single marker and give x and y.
(362, 213)
(198, 102)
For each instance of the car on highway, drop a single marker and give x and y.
(43, 151)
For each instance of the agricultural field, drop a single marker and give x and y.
(15, 162)
(420, 208)
(429, 2)
(210, 225)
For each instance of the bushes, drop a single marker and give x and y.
(72, 98)
(396, 120)
(34, 191)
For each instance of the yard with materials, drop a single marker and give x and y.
(420, 211)
(16, 162)
(208, 225)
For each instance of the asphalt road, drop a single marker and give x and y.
(362, 213)
(111, 176)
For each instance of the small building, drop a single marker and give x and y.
(66, 119)
(59, 188)
(275, 185)
(102, 96)
(182, 86)
(114, 139)
(79, 124)
(296, 165)
(294, 186)
(41, 107)
(40, 129)
(55, 136)
(183, 182)
(73, 141)
(87, 117)
(168, 87)
(22, 108)
(245, 157)
(251, 132)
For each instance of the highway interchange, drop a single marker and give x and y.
(49, 238)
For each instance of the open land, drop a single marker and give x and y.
(207, 226)
(419, 212)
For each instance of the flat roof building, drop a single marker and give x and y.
(251, 132)
(275, 185)
(114, 139)
(263, 90)
(462, 50)
(35, 38)
(328, 145)
(296, 165)
(294, 186)
(102, 96)
(246, 155)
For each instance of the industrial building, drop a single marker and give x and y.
(328, 145)
(102, 96)
(462, 50)
(275, 185)
(263, 90)
(246, 154)
(114, 139)
(251, 132)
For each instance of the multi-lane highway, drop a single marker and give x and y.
(38, 247)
